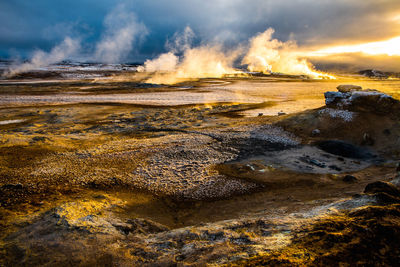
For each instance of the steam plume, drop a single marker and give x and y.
(41, 59)
(181, 41)
(165, 62)
(269, 55)
(264, 54)
(199, 62)
(122, 30)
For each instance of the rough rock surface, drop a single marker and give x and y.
(382, 187)
(349, 179)
(113, 241)
(344, 115)
(277, 182)
(364, 236)
(363, 101)
(345, 88)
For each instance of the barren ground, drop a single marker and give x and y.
(123, 173)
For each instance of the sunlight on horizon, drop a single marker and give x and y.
(389, 47)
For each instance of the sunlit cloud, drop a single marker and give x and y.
(389, 47)
(396, 18)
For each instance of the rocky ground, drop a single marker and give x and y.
(122, 184)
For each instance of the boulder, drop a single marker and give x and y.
(333, 98)
(315, 132)
(363, 101)
(382, 187)
(349, 179)
(346, 88)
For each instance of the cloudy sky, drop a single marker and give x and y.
(26, 26)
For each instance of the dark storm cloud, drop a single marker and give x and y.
(27, 25)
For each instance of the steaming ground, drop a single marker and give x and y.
(99, 83)
(189, 173)
(183, 61)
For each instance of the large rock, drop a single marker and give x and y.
(363, 101)
(349, 179)
(346, 88)
(382, 187)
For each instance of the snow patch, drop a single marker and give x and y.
(10, 122)
(345, 115)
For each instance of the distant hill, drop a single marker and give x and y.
(371, 73)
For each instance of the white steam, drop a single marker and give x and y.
(264, 54)
(42, 59)
(269, 55)
(182, 61)
(200, 62)
(169, 61)
(165, 62)
(181, 41)
(122, 30)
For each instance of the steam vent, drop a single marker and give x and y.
(199, 133)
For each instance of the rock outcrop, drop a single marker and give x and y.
(350, 98)
(382, 187)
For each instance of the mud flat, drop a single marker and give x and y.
(93, 173)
